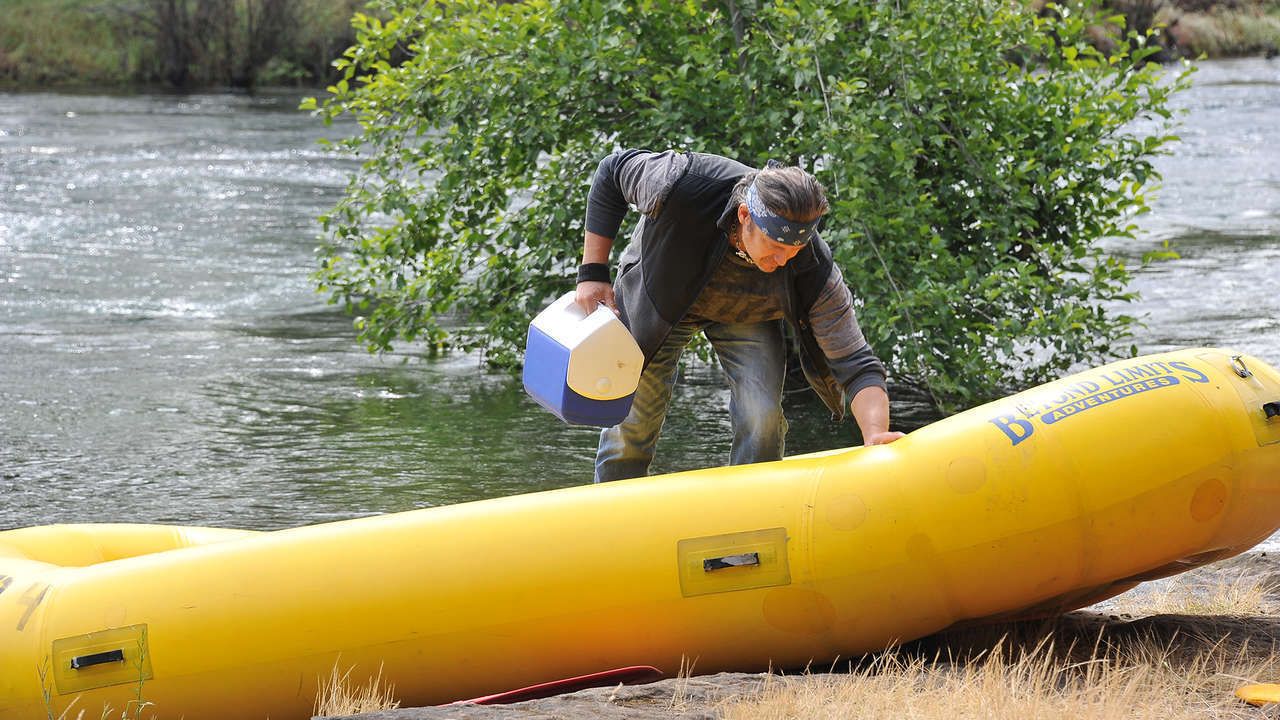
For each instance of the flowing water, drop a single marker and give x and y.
(164, 357)
(1219, 208)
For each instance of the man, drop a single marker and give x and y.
(731, 252)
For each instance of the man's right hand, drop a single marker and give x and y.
(591, 295)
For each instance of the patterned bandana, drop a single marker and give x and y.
(778, 228)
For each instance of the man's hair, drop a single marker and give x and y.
(788, 191)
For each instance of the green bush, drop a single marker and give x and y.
(974, 153)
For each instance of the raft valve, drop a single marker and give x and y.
(1272, 409)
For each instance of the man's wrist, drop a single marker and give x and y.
(593, 272)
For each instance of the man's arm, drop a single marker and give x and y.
(625, 178)
(870, 408)
(854, 365)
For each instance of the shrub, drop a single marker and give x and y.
(975, 154)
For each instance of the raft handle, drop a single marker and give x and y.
(1272, 409)
(728, 561)
(102, 658)
(1237, 364)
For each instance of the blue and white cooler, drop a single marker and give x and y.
(583, 367)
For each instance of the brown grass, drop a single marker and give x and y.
(1142, 682)
(338, 695)
(1242, 595)
(1180, 653)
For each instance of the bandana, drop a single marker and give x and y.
(778, 228)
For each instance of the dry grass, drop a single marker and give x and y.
(680, 694)
(1142, 682)
(133, 709)
(339, 696)
(1239, 596)
(131, 712)
(1192, 645)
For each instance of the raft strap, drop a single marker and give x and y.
(84, 661)
(728, 561)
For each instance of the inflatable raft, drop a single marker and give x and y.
(1037, 504)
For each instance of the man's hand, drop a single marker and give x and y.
(591, 295)
(884, 438)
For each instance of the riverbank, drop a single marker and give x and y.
(116, 44)
(1175, 648)
(65, 44)
(1208, 28)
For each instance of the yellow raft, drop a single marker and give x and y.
(1037, 504)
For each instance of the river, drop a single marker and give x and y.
(164, 356)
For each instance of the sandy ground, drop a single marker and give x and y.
(1112, 623)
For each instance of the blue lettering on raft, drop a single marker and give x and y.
(1184, 367)
(1087, 394)
(1017, 429)
(1064, 411)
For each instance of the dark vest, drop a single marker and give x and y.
(681, 247)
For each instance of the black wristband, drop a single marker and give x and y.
(593, 272)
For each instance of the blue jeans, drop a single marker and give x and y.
(753, 356)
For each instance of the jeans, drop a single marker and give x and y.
(753, 356)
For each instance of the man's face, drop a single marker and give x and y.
(768, 254)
